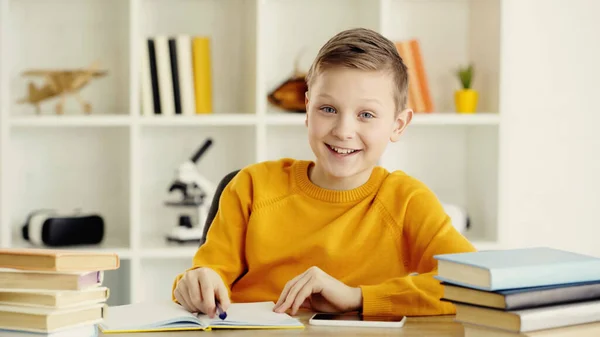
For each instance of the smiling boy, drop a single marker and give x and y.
(339, 233)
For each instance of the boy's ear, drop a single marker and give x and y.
(306, 104)
(400, 124)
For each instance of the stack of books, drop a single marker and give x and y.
(523, 292)
(53, 292)
(176, 75)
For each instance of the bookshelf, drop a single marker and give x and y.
(118, 163)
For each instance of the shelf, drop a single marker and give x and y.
(199, 120)
(439, 118)
(74, 121)
(109, 244)
(451, 118)
(161, 248)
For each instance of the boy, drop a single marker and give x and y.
(341, 233)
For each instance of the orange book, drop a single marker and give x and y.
(419, 97)
(57, 260)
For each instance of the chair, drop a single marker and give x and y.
(214, 206)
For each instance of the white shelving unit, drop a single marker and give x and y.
(119, 164)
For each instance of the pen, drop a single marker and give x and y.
(222, 314)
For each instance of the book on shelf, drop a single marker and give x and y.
(176, 75)
(520, 291)
(170, 316)
(419, 95)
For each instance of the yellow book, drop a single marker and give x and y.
(201, 62)
(169, 316)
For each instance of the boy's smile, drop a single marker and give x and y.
(341, 151)
(351, 117)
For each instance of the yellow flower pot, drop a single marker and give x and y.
(466, 100)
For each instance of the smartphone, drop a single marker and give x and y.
(357, 320)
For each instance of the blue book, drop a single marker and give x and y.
(516, 268)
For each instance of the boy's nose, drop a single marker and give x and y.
(344, 129)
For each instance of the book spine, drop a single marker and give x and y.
(146, 80)
(175, 75)
(559, 316)
(186, 80)
(154, 76)
(165, 79)
(202, 74)
(90, 279)
(552, 296)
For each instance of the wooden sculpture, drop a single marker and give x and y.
(60, 83)
(290, 94)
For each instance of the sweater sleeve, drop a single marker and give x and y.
(426, 231)
(223, 250)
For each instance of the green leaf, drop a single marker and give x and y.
(466, 76)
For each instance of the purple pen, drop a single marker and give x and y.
(222, 314)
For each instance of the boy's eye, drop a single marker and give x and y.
(328, 109)
(366, 115)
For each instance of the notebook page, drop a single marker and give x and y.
(252, 314)
(141, 316)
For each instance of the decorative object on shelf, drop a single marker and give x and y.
(419, 96)
(459, 217)
(466, 98)
(60, 83)
(290, 95)
(196, 192)
(50, 228)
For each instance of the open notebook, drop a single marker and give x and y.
(169, 316)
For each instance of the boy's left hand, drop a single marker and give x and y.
(318, 291)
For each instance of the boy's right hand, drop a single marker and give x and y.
(198, 289)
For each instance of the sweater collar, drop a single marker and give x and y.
(303, 182)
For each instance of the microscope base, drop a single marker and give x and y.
(183, 235)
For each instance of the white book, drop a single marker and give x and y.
(165, 77)
(186, 81)
(170, 316)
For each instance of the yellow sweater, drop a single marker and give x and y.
(274, 223)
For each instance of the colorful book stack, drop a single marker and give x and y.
(45, 292)
(176, 76)
(523, 292)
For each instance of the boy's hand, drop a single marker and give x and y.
(198, 289)
(318, 291)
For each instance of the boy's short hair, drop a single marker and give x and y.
(363, 49)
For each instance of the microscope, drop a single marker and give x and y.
(194, 192)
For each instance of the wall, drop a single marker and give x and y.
(550, 119)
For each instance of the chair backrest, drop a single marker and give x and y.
(214, 206)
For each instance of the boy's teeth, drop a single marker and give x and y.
(341, 151)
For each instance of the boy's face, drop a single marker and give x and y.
(351, 117)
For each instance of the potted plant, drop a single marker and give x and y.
(466, 98)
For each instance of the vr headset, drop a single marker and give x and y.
(48, 228)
